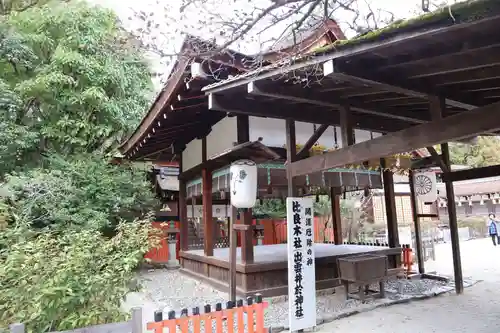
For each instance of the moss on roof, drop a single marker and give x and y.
(461, 12)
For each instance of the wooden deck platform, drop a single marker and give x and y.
(268, 274)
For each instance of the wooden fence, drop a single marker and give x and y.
(235, 318)
(134, 325)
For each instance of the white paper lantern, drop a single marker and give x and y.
(425, 185)
(243, 184)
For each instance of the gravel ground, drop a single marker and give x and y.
(477, 310)
(170, 290)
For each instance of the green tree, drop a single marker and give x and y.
(70, 75)
(81, 192)
(482, 152)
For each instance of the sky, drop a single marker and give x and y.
(167, 23)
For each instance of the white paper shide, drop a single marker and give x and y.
(243, 184)
(425, 185)
(301, 265)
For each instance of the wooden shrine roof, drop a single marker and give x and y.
(180, 112)
(385, 77)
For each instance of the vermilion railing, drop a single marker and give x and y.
(235, 318)
(275, 231)
(159, 254)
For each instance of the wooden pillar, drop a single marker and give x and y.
(416, 224)
(390, 206)
(346, 129)
(336, 218)
(183, 220)
(291, 155)
(347, 139)
(247, 239)
(182, 211)
(208, 220)
(243, 128)
(452, 215)
(232, 254)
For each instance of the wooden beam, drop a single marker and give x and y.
(279, 92)
(469, 174)
(452, 216)
(329, 69)
(478, 75)
(459, 126)
(437, 159)
(312, 115)
(312, 141)
(291, 155)
(447, 61)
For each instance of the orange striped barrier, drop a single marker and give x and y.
(228, 320)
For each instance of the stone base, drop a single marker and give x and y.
(173, 265)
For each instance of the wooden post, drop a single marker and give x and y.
(208, 221)
(136, 320)
(346, 129)
(416, 224)
(452, 215)
(247, 237)
(390, 210)
(183, 220)
(243, 128)
(336, 218)
(232, 254)
(291, 155)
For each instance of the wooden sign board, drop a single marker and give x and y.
(301, 264)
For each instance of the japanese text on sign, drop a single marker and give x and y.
(301, 268)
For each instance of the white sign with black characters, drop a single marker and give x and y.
(301, 265)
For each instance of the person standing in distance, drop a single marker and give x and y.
(493, 229)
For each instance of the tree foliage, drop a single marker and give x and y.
(68, 73)
(72, 227)
(81, 192)
(58, 281)
(482, 152)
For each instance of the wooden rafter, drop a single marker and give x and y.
(235, 105)
(468, 57)
(330, 70)
(462, 125)
(278, 92)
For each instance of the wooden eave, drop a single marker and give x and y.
(151, 142)
(434, 81)
(253, 150)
